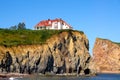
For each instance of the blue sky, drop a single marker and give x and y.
(97, 18)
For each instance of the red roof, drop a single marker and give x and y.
(44, 23)
(49, 22)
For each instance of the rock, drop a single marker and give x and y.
(55, 69)
(66, 52)
(6, 61)
(106, 56)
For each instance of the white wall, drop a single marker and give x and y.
(52, 25)
(55, 25)
(65, 26)
(58, 25)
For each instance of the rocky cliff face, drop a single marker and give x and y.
(106, 56)
(63, 53)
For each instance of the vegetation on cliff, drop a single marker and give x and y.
(118, 43)
(27, 37)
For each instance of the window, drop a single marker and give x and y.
(40, 27)
(56, 25)
(37, 27)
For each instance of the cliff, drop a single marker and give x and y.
(66, 52)
(106, 56)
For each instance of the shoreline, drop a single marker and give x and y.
(19, 75)
(109, 72)
(8, 75)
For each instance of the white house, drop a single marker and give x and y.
(56, 24)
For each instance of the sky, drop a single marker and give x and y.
(97, 18)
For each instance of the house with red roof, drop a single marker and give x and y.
(55, 24)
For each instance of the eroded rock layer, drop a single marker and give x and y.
(106, 56)
(63, 53)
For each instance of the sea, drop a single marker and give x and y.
(97, 77)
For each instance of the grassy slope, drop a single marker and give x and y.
(27, 37)
(111, 41)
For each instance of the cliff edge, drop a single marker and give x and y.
(66, 52)
(106, 56)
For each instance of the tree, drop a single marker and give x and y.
(13, 27)
(21, 26)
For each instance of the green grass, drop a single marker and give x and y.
(118, 43)
(27, 37)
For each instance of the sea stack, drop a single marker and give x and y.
(106, 56)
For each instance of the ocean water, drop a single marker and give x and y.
(98, 77)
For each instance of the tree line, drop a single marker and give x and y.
(20, 26)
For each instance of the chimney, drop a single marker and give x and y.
(48, 19)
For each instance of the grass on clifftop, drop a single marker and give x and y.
(111, 41)
(27, 37)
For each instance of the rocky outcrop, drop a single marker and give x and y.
(106, 56)
(66, 52)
